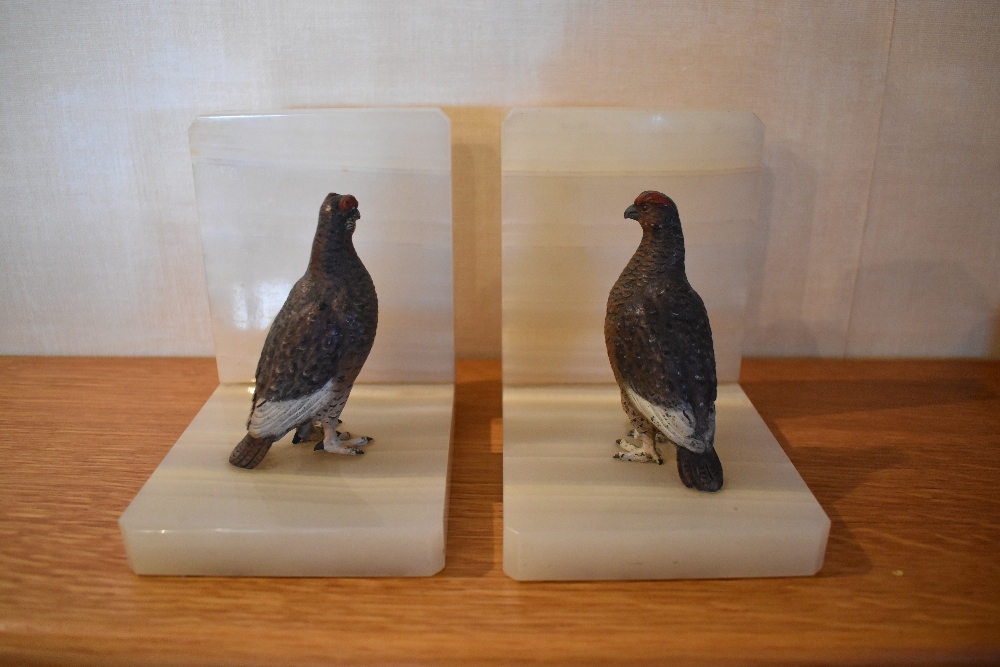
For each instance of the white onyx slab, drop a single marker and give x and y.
(260, 180)
(568, 176)
(301, 512)
(571, 511)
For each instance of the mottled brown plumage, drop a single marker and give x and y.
(660, 347)
(317, 344)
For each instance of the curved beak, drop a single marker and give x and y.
(355, 215)
(632, 212)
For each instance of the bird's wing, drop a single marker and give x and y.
(276, 418)
(671, 373)
(676, 422)
(304, 347)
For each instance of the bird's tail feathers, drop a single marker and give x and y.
(699, 471)
(250, 451)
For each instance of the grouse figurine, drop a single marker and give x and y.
(316, 346)
(660, 346)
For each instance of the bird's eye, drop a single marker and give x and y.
(645, 207)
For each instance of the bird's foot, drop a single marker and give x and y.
(638, 457)
(637, 454)
(343, 443)
(339, 447)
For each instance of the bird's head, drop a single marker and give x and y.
(653, 210)
(340, 213)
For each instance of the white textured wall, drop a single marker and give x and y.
(880, 216)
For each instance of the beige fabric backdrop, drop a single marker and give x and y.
(880, 225)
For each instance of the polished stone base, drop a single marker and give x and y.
(301, 512)
(572, 512)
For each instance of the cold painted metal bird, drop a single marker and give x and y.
(317, 345)
(660, 347)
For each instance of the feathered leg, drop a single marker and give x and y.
(250, 451)
(646, 451)
(334, 441)
(699, 471)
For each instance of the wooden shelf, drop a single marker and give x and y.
(903, 456)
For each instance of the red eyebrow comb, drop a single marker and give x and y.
(653, 197)
(347, 202)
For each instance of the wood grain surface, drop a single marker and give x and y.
(902, 455)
